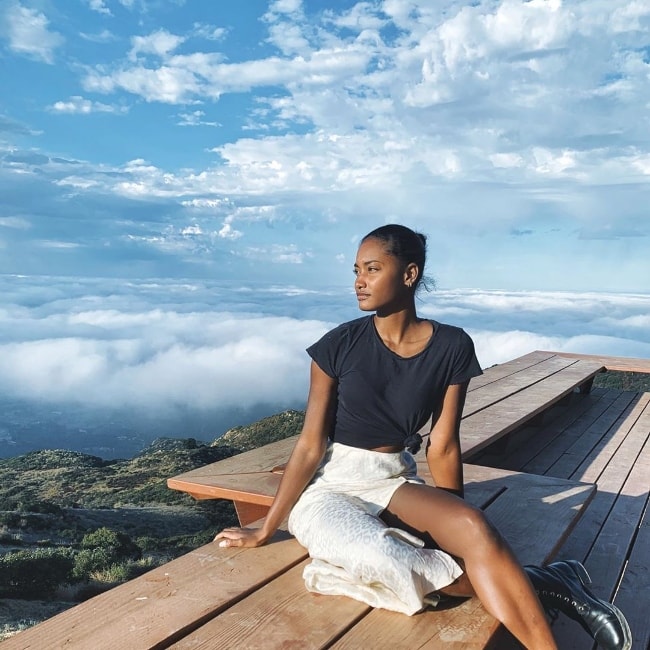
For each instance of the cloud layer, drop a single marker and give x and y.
(196, 345)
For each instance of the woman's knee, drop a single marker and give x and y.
(479, 531)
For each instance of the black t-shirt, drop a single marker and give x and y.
(382, 397)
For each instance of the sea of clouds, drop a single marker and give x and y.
(199, 344)
(170, 346)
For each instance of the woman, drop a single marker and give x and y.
(375, 531)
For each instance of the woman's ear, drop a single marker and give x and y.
(411, 274)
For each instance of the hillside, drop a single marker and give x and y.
(52, 502)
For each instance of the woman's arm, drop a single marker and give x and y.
(443, 449)
(305, 458)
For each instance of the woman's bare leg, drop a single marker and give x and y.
(492, 569)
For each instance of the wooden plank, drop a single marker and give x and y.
(610, 470)
(557, 458)
(282, 614)
(538, 513)
(556, 435)
(466, 626)
(261, 459)
(486, 426)
(496, 391)
(605, 561)
(636, 582)
(166, 603)
(501, 370)
(258, 488)
(247, 513)
(615, 450)
(580, 413)
(614, 520)
(626, 364)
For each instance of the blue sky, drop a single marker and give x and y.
(183, 184)
(261, 139)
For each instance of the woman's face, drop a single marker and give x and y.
(381, 279)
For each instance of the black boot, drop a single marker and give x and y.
(563, 586)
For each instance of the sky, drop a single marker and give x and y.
(183, 184)
(142, 138)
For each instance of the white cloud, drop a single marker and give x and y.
(195, 118)
(63, 245)
(209, 32)
(79, 105)
(629, 16)
(201, 360)
(362, 16)
(507, 324)
(288, 38)
(29, 33)
(159, 43)
(285, 6)
(165, 84)
(105, 36)
(278, 253)
(228, 232)
(100, 7)
(18, 223)
(368, 121)
(217, 373)
(200, 345)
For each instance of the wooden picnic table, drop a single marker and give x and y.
(217, 597)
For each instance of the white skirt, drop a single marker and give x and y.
(354, 553)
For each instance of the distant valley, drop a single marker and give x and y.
(110, 433)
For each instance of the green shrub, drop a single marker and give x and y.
(148, 543)
(34, 574)
(124, 571)
(90, 560)
(118, 544)
(102, 549)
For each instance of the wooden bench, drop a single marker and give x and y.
(255, 598)
(623, 364)
(512, 394)
(502, 399)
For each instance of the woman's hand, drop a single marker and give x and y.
(241, 537)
